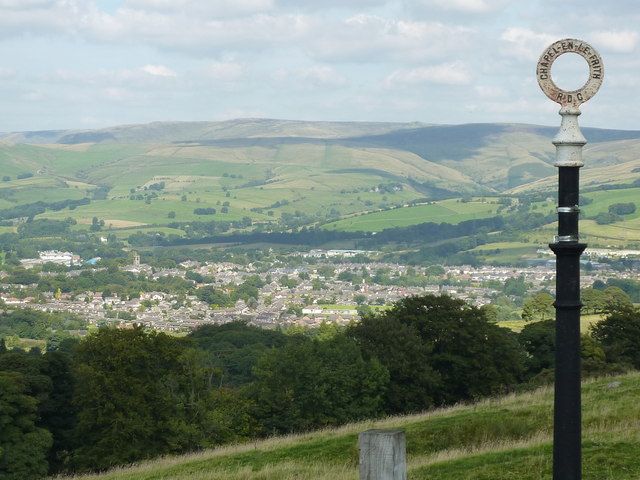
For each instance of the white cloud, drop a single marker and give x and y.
(315, 76)
(321, 75)
(444, 74)
(225, 71)
(371, 38)
(207, 8)
(190, 25)
(234, 113)
(490, 91)
(525, 43)
(25, 4)
(465, 6)
(33, 96)
(6, 73)
(145, 77)
(159, 71)
(324, 4)
(192, 58)
(118, 94)
(180, 32)
(623, 41)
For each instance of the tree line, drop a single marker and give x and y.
(119, 396)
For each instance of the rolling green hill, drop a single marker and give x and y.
(343, 174)
(499, 439)
(449, 211)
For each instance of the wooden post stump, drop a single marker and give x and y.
(383, 455)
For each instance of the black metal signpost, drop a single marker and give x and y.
(567, 464)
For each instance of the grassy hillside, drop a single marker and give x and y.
(336, 173)
(449, 211)
(498, 439)
(606, 162)
(168, 132)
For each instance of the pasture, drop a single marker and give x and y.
(448, 211)
(507, 252)
(314, 180)
(340, 186)
(602, 200)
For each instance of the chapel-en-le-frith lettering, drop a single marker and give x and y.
(562, 47)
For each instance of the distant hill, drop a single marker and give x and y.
(170, 132)
(497, 439)
(496, 156)
(303, 172)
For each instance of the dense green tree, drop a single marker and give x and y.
(414, 383)
(616, 299)
(594, 361)
(132, 399)
(57, 412)
(619, 335)
(310, 384)
(593, 300)
(288, 282)
(23, 445)
(516, 287)
(23, 277)
(326, 271)
(211, 415)
(440, 350)
(47, 381)
(538, 307)
(30, 365)
(627, 285)
(214, 296)
(235, 348)
(28, 323)
(45, 228)
(622, 208)
(605, 218)
(539, 341)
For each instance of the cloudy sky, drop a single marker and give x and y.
(94, 63)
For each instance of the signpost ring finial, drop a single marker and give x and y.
(573, 98)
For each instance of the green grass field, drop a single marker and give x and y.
(311, 178)
(123, 233)
(323, 180)
(586, 322)
(618, 233)
(449, 211)
(507, 252)
(498, 439)
(602, 200)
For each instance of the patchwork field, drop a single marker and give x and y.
(449, 211)
(602, 200)
(345, 176)
(507, 252)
